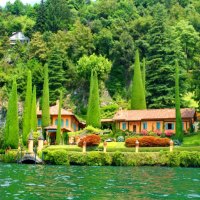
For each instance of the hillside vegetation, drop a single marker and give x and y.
(74, 36)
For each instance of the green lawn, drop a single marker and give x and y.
(192, 140)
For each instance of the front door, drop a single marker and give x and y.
(53, 138)
(134, 128)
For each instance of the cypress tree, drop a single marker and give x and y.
(144, 75)
(179, 128)
(58, 132)
(93, 112)
(27, 109)
(12, 124)
(45, 100)
(34, 111)
(138, 101)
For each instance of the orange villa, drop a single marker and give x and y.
(69, 122)
(151, 120)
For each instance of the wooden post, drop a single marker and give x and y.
(136, 146)
(84, 146)
(104, 146)
(171, 147)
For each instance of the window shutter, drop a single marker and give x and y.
(56, 122)
(158, 125)
(166, 126)
(172, 126)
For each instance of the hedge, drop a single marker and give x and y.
(148, 141)
(183, 159)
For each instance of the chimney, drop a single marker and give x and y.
(38, 106)
(57, 102)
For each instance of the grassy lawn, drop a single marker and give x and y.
(119, 146)
(192, 140)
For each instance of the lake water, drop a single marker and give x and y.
(82, 182)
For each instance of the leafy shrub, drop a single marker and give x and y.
(120, 139)
(91, 140)
(158, 132)
(144, 132)
(169, 133)
(10, 157)
(58, 157)
(148, 141)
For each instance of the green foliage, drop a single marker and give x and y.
(99, 64)
(179, 126)
(33, 118)
(93, 112)
(58, 131)
(12, 124)
(138, 101)
(27, 108)
(108, 111)
(45, 100)
(57, 157)
(56, 73)
(10, 157)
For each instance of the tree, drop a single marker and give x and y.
(12, 124)
(93, 111)
(45, 100)
(58, 132)
(179, 128)
(40, 24)
(58, 15)
(27, 109)
(138, 101)
(56, 73)
(144, 75)
(34, 111)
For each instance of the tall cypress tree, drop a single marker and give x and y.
(144, 75)
(27, 108)
(58, 132)
(34, 111)
(138, 101)
(45, 100)
(179, 128)
(12, 124)
(93, 112)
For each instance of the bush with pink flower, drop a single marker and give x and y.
(158, 132)
(144, 132)
(169, 133)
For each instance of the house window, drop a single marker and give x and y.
(158, 125)
(67, 122)
(124, 126)
(62, 123)
(169, 126)
(74, 127)
(144, 125)
(39, 122)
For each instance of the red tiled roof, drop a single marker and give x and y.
(137, 115)
(54, 111)
(106, 120)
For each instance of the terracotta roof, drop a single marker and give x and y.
(54, 111)
(137, 115)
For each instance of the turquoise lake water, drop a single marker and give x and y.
(29, 182)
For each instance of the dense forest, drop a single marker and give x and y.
(74, 36)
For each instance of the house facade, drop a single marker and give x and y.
(69, 122)
(155, 120)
